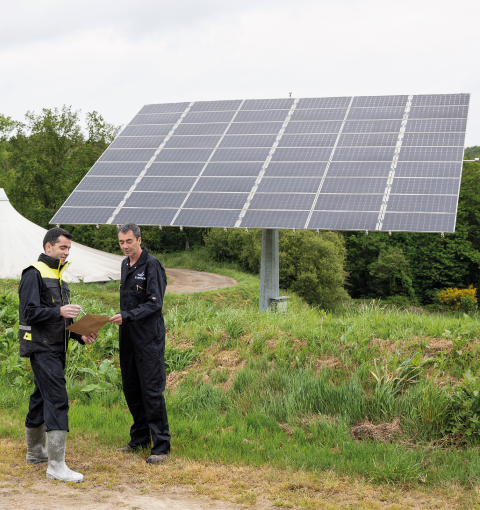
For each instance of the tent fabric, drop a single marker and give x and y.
(22, 242)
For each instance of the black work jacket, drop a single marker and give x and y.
(42, 291)
(142, 289)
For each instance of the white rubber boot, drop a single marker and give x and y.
(57, 469)
(36, 444)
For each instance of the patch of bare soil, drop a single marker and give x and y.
(439, 344)
(228, 360)
(188, 280)
(380, 432)
(44, 495)
(326, 362)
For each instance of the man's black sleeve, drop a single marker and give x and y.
(154, 293)
(29, 291)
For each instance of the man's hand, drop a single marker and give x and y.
(69, 311)
(117, 319)
(90, 338)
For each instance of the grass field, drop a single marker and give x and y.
(280, 394)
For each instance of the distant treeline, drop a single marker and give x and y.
(43, 160)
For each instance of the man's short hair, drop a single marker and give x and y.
(130, 226)
(53, 234)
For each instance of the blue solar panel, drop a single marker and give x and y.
(362, 163)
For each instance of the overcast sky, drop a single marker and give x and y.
(116, 56)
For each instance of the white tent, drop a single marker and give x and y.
(21, 241)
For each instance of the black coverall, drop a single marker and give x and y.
(142, 351)
(44, 339)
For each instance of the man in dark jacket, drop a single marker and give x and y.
(45, 312)
(142, 344)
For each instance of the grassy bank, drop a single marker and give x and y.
(282, 391)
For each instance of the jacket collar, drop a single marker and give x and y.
(141, 259)
(52, 263)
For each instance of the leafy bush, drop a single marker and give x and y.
(310, 264)
(464, 410)
(453, 297)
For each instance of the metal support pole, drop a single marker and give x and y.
(269, 268)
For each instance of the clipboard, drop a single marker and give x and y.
(88, 324)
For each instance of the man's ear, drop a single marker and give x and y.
(140, 239)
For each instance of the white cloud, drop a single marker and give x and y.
(116, 56)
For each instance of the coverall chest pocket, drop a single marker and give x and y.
(53, 294)
(138, 295)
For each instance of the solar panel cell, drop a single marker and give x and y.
(324, 102)
(441, 99)
(156, 118)
(427, 169)
(216, 201)
(307, 140)
(204, 218)
(422, 203)
(288, 185)
(137, 142)
(201, 129)
(372, 126)
(354, 185)
(359, 169)
(255, 128)
(367, 139)
(248, 141)
(326, 126)
(419, 222)
(240, 154)
(343, 220)
(295, 169)
(301, 154)
(94, 199)
(441, 112)
(241, 169)
(200, 117)
(426, 186)
(225, 184)
(215, 106)
(174, 169)
(435, 125)
(142, 216)
(376, 113)
(275, 219)
(192, 155)
(147, 130)
(165, 184)
(191, 142)
(116, 169)
(332, 202)
(434, 139)
(320, 114)
(82, 215)
(261, 116)
(164, 108)
(431, 154)
(364, 154)
(127, 155)
(91, 183)
(379, 101)
(156, 200)
(282, 201)
(268, 104)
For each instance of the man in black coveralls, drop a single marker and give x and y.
(142, 344)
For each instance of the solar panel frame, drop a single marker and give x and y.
(340, 155)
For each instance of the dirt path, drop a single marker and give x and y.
(55, 495)
(188, 280)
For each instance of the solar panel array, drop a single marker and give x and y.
(345, 163)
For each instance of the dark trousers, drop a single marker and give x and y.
(49, 400)
(143, 375)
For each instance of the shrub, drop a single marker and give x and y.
(310, 264)
(453, 297)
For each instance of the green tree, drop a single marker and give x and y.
(50, 155)
(392, 271)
